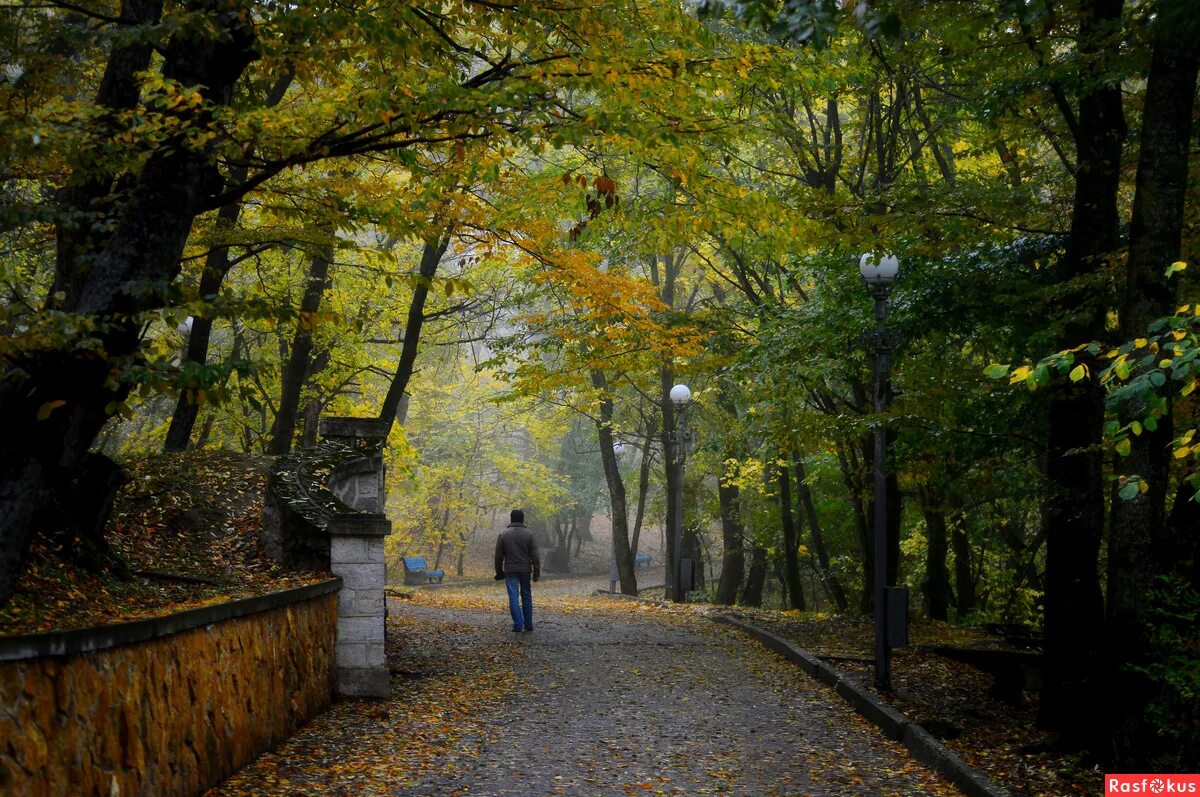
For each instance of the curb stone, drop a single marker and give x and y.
(933, 754)
(890, 721)
(918, 741)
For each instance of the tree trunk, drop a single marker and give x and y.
(781, 576)
(216, 266)
(582, 532)
(693, 548)
(1074, 512)
(616, 488)
(283, 430)
(558, 560)
(105, 278)
(643, 488)
(205, 430)
(312, 423)
(936, 586)
(733, 555)
(866, 539)
(791, 543)
(443, 529)
(1184, 543)
(1011, 162)
(82, 520)
(572, 531)
(1136, 544)
(756, 579)
(943, 151)
(1021, 562)
(235, 352)
(733, 563)
(431, 256)
(964, 576)
(829, 580)
(664, 280)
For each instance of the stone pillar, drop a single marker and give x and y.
(356, 554)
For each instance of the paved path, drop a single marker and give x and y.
(604, 697)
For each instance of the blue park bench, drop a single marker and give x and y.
(416, 571)
(641, 560)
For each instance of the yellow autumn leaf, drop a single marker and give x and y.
(1019, 374)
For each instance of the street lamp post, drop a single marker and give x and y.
(878, 278)
(681, 395)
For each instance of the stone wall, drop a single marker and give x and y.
(324, 510)
(173, 713)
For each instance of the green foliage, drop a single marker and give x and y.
(1154, 375)
(1173, 667)
(814, 22)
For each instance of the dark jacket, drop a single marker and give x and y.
(517, 551)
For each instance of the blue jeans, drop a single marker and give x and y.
(522, 613)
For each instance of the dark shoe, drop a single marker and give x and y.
(529, 630)
(518, 630)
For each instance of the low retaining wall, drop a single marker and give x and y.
(168, 706)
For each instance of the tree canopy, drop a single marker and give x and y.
(509, 229)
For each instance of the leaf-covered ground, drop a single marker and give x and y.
(199, 515)
(432, 720)
(604, 697)
(949, 698)
(186, 526)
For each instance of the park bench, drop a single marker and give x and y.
(1012, 671)
(416, 571)
(641, 560)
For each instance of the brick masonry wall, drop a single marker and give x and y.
(168, 716)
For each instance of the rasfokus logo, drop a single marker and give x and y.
(1151, 784)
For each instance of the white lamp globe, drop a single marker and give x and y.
(882, 273)
(681, 394)
(889, 267)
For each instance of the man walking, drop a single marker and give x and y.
(517, 562)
